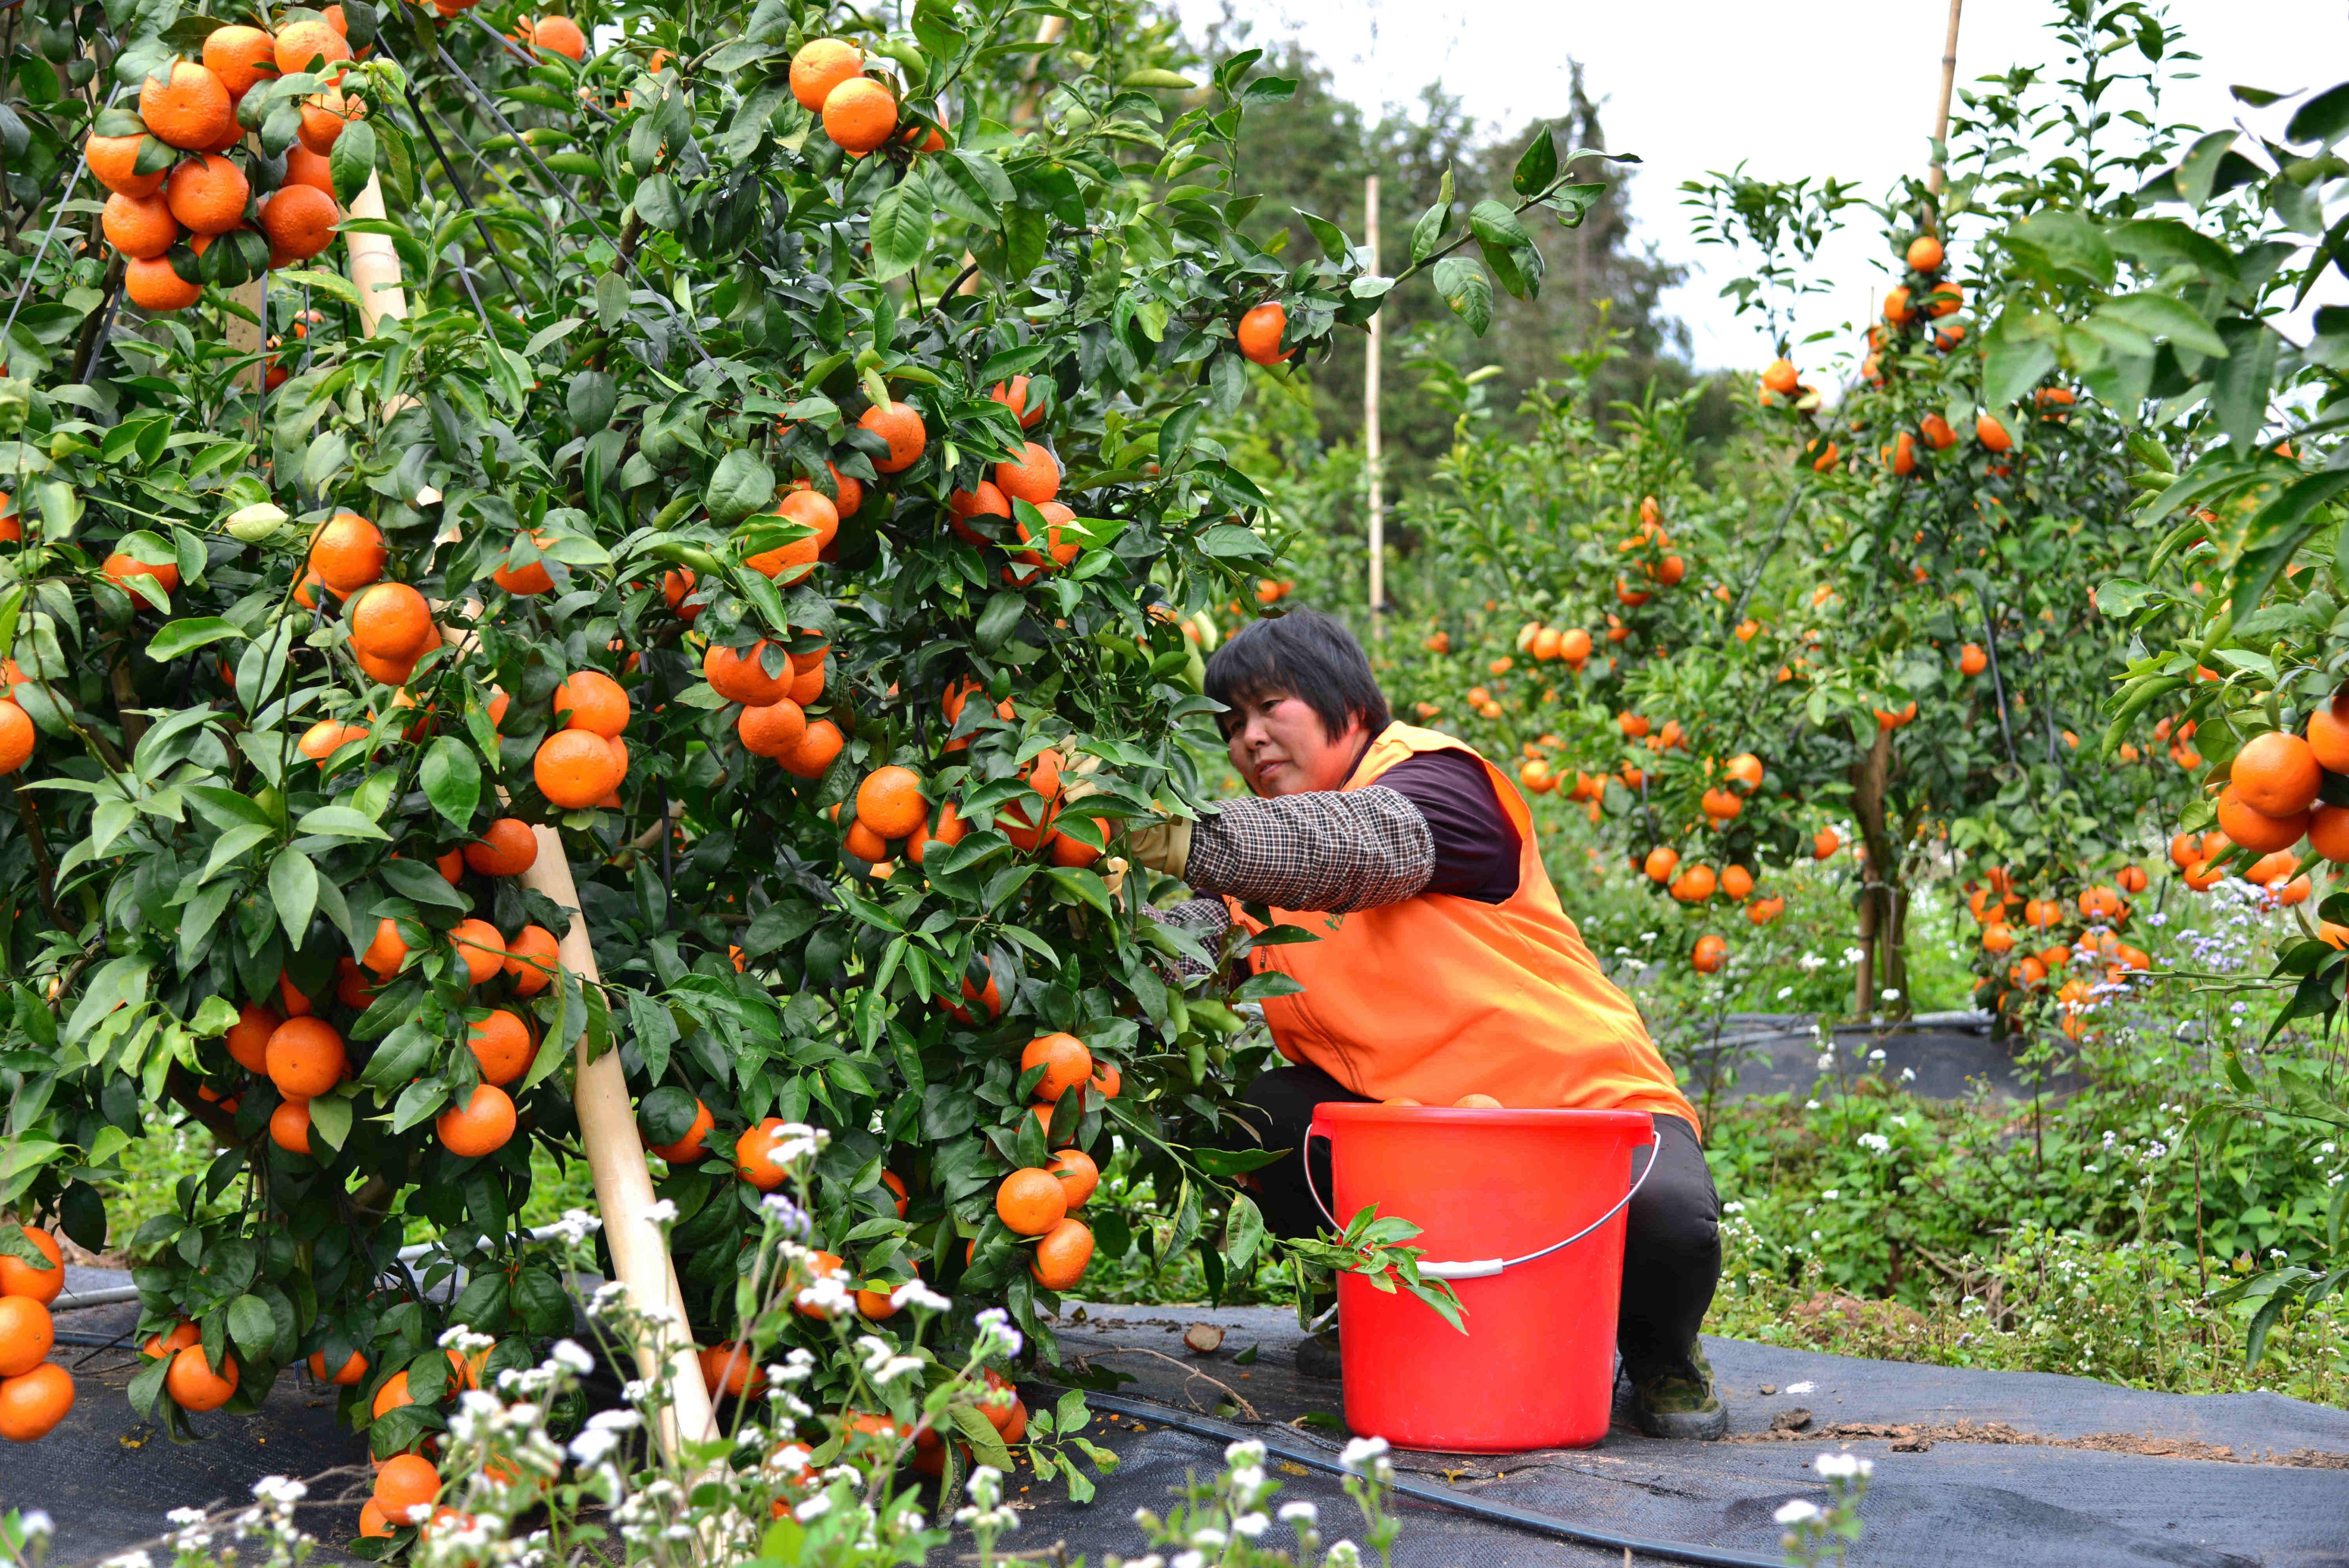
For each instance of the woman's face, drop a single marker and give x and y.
(1280, 746)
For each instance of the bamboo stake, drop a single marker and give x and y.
(1372, 453)
(608, 1125)
(1936, 177)
(624, 1188)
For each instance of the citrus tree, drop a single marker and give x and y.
(755, 460)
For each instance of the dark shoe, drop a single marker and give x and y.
(1317, 1357)
(1680, 1402)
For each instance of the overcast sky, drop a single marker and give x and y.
(1842, 88)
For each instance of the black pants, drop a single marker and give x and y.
(1671, 1246)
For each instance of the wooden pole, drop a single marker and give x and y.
(624, 1188)
(607, 1125)
(1373, 452)
(1935, 178)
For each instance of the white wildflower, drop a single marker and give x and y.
(571, 1353)
(1251, 1525)
(1360, 1451)
(1796, 1511)
(914, 1294)
(1298, 1514)
(1841, 1466)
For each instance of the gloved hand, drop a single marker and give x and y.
(1077, 780)
(1163, 846)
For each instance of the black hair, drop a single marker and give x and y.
(1305, 655)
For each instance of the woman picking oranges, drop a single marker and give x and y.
(1454, 979)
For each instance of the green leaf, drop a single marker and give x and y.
(2324, 118)
(900, 230)
(339, 822)
(294, 888)
(180, 637)
(351, 161)
(2239, 393)
(1493, 224)
(2014, 368)
(2160, 316)
(1537, 165)
(330, 1121)
(995, 623)
(657, 202)
(2063, 247)
(1428, 233)
(1153, 76)
(451, 776)
(740, 486)
(231, 844)
(252, 1326)
(1466, 288)
(1243, 1232)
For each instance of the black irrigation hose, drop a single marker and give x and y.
(1476, 1508)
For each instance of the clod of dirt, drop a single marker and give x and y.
(1768, 1388)
(1202, 1340)
(1793, 1421)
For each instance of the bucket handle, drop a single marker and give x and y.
(1482, 1268)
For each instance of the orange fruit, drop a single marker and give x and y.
(773, 730)
(114, 162)
(900, 425)
(1060, 1262)
(1736, 881)
(523, 581)
(692, 1146)
(206, 195)
(298, 219)
(985, 501)
(948, 830)
(387, 951)
(32, 1406)
(787, 563)
(851, 494)
(575, 769)
(815, 751)
(1825, 843)
(1260, 332)
(2328, 733)
(807, 685)
(812, 508)
(530, 960)
(26, 1334)
(303, 167)
(1065, 1060)
(406, 1481)
(865, 843)
(559, 33)
(1781, 376)
(1924, 255)
(183, 1333)
(240, 56)
(732, 1368)
(822, 65)
(675, 585)
(1068, 851)
(754, 1159)
(507, 848)
(1075, 1170)
(304, 1057)
(248, 1037)
(140, 227)
(1991, 434)
(120, 568)
(189, 108)
(742, 676)
(1711, 953)
(1030, 1202)
(2276, 774)
(890, 801)
(501, 1044)
(194, 1385)
(1013, 395)
(2255, 829)
(1034, 478)
(305, 45)
(593, 701)
(481, 1125)
(391, 621)
(289, 1126)
(347, 553)
(352, 1372)
(373, 1525)
(16, 736)
(860, 116)
(480, 949)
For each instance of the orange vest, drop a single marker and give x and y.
(1440, 996)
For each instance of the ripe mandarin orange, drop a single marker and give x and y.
(593, 701)
(140, 227)
(1260, 333)
(299, 220)
(860, 116)
(207, 194)
(16, 736)
(195, 1384)
(815, 751)
(822, 65)
(352, 1372)
(114, 163)
(501, 1044)
(2277, 774)
(559, 33)
(575, 769)
(889, 801)
(248, 1037)
(741, 676)
(1065, 1060)
(32, 1406)
(900, 425)
(1013, 395)
(26, 1334)
(773, 730)
(1076, 1172)
(479, 948)
(480, 1125)
(754, 1158)
(1030, 1202)
(390, 621)
(188, 107)
(347, 553)
(289, 1126)
(1034, 477)
(693, 1145)
(530, 960)
(304, 1057)
(18, 1277)
(1060, 1262)
(506, 848)
(386, 950)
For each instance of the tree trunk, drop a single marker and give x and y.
(1882, 904)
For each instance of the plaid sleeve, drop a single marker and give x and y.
(1325, 850)
(1204, 918)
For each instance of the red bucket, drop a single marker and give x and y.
(1523, 1212)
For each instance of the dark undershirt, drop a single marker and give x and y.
(1476, 847)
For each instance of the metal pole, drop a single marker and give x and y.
(1371, 452)
(1935, 178)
